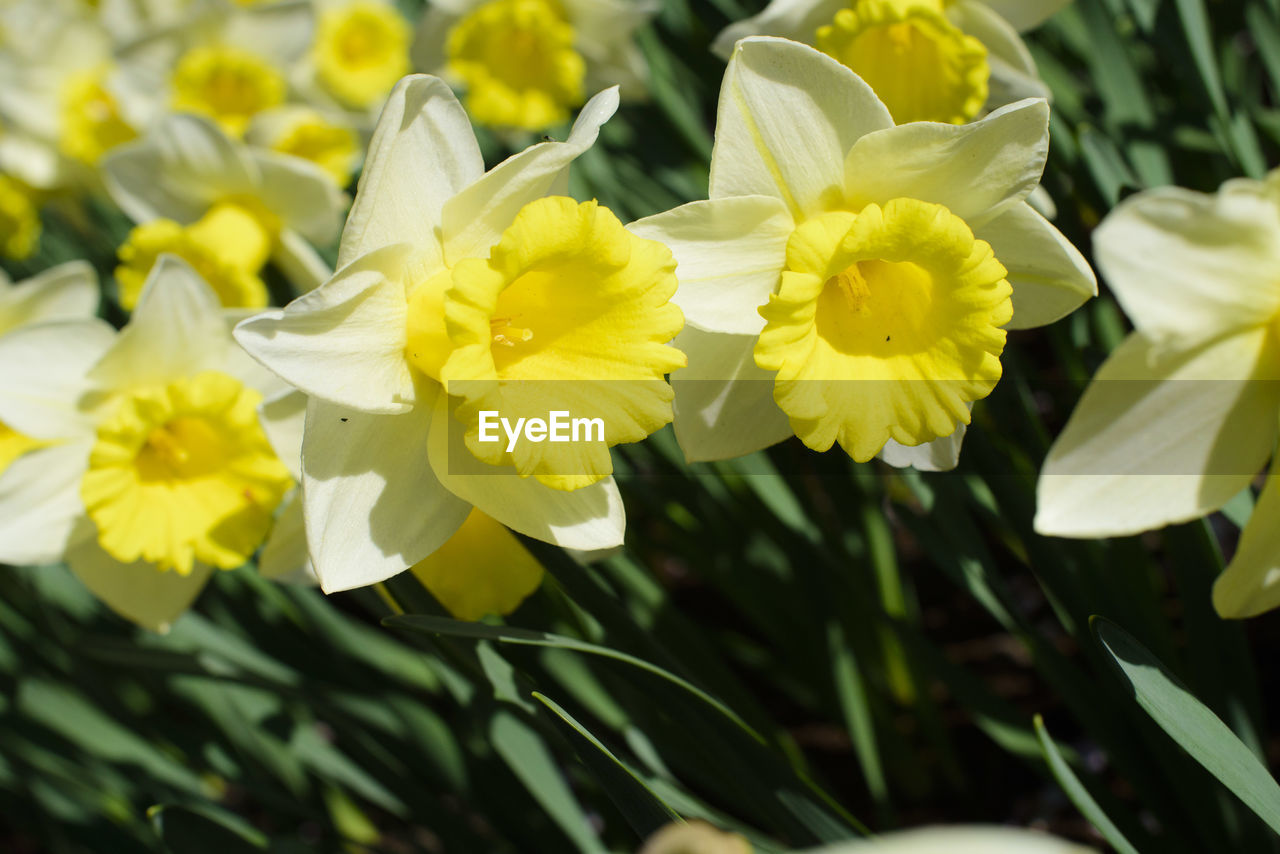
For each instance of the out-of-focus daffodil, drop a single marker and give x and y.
(482, 569)
(452, 275)
(330, 142)
(60, 90)
(528, 63)
(852, 281)
(156, 470)
(66, 292)
(695, 837)
(225, 61)
(927, 60)
(960, 840)
(222, 206)
(1185, 412)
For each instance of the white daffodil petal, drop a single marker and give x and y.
(587, 519)
(136, 591)
(797, 20)
(1026, 14)
(40, 503)
(284, 555)
(1050, 277)
(1190, 266)
(373, 504)
(977, 171)
(1250, 585)
(939, 455)
(729, 254)
(300, 193)
(475, 218)
(44, 378)
(176, 331)
(961, 840)
(177, 171)
(1157, 440)
(723, 401)
(283, 418)
(788, 116)
(65, 292)
(343, 342)
(423, 152)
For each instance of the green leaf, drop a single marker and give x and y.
(194, 829)
(1078, 794)
(1191, 724)
(530, 760)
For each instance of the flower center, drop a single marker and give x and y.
(91, 124)
(184, 473)
(920, 65)
(19, 220)
(362, 49)
(887, 324)
(227, 84)
(332, 147)
(517, 60)
(228, 247)
(570, 313)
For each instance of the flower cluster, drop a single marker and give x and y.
(850, 279)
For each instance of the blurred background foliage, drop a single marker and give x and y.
(793, 646)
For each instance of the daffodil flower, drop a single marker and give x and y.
(60, 93)
(849, 280)
(526, 63)
(927, 60)
(482, 569)
(156, 470)
(481, 281)
(224, 207)
(225, 61)
(66, 292)
(1184, 414)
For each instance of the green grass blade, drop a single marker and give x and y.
(527, 637)
(642, 809)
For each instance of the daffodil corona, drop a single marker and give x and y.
(922, 66)
(517, 61)
(460, 291)
(527, 64)
(361, 50)
(927, 60)
(854, 285)
(886, 324)
(228, 247)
